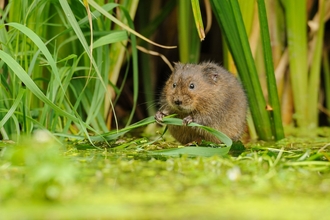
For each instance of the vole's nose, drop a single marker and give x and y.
(177, 102)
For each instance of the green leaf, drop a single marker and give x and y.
(221, 136)
(13, 107)
(230, 19)
(295, 13)
(28, 82)
(189, 43)
(43, 48)
(114, 36)
(271, 81)
(198, 18)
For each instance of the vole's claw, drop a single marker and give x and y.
(187, 120)
(159, 117)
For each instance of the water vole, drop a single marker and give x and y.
(208, 95)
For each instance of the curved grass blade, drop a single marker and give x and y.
(224, 138)
(28, 82)
(195, 151)
(114, 36)
(118, 22)
(75, 26)
(43, 48)
(112, 135)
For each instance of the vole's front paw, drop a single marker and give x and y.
(159, 117)
(187, 120)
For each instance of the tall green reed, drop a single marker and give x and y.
(56, 78)
(189, 42)
(295, 51)
(230, 19)
(305, 56)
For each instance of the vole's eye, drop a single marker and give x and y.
(191, 86)
(174, 85)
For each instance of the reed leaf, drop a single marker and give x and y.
(113, 37)
(97, 95)
(28, 82)
(12, 109)
(275, 111)
(221, 136)
(189, 44)
(230, 20)
(296, 19)
(121, 24)
(198, 19)
(314, 74)
(326, 70)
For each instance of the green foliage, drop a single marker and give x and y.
(275, 116)
(105, 183)
(297, 44)
(61, 61)
(56, 78)
(47, 174)
(189, 42)
(192, 151)
(230, 19)
(305, 59)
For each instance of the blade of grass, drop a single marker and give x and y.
(198, 19)
(149, 27)
(231, 23)
(43, 48)
(295, 12)
(189, 44)
(113, 37)
(135, 66)
(176, 121)
(112, 135)
(54, 85)
(314, 75)
(12, 109)
(326, 70)
(74, 24)
(183, 30)
(271, 81)
(28, 82)
(115, 20)
(116, 60)
(248, 10)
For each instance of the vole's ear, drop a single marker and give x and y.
(178, 65)
(211, 71)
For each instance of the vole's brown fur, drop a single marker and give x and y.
(208, 95)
